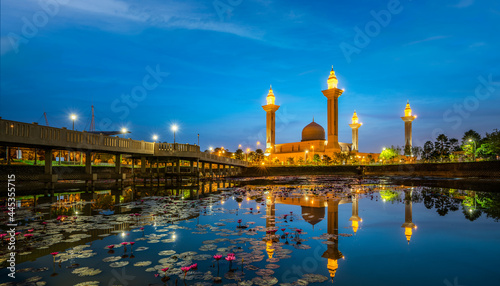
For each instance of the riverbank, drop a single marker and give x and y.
(488, 169)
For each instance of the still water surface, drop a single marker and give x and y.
(318, 231)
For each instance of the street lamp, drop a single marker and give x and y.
(73, 117)
(124, 130)
(258, 143)
(305, 156)
(174, 128)
(155, 137)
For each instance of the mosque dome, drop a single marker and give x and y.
(313, 131)
(314, 214)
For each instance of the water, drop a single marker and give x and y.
(352, 233)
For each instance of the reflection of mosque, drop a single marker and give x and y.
(313, 211)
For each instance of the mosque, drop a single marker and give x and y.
(314, 138)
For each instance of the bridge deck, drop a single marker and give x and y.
(19, 134)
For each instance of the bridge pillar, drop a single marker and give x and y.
(48, 161)
(211, 170)
(88, 162)
(7, 151)
(143, 164)
(118, 169)
(198, 172)
(118, 163)
(36, 151)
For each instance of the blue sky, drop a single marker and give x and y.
(207, 66)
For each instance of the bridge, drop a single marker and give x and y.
(15, 134)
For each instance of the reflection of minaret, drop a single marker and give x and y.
(270, 223)
(355, 219)
(408, 225)
(355, 126)
(408, 118)
(332, 253)
(270, 109)
(333, 94)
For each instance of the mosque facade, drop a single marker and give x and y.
(315, 140)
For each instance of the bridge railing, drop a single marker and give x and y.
(221, 159)
(37, 135)
(177, 147)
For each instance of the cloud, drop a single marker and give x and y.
(427, 40)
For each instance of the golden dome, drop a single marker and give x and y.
(314, 216)
(313, 131)
(408, 109)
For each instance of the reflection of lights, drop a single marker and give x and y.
(239, 205)
(76, 212)
(222, 202)
(383, 200)
(248, 199)
(258, 207)
(123, 234)
(470, 210)
(174, 236)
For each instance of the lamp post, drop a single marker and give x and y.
(305, 156)
(155, 137)
(73, 118)
(258, 144)
(174, 128)
(246, 157)
(124, 131)
(198, 139)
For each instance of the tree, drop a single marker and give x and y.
(416, 151)
(239, 154)
(327, 160)
(454, 146)
(259, 155)
(388, 154)
(300, 161)
(486, 151)
(316, 159)
(290, 160)
(442, 146)
(471, 135)
(428, 150)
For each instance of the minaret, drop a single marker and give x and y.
(270, 109)
(408, 118)
(270, 223)
(333, 94)
(332, 252)
(355, 219)
(355, 125)
(408, 225)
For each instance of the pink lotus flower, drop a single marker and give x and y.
(217, 257)
(156, 275)
(30, 230)
(239, 221)
(124, 243)
(44, 223)
(185, 269)
(141, 228)
(110, 246)
(132, 242)
(230, 258)
(283, 229)
(54, 253)
(194, 266)
(165, 269)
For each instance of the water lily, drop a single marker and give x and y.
(185, 270)
(54, 256)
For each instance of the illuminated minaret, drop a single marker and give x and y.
(333, 94)
(332, 252)
(408, 225)
(355, 219)
(270, 109)
(355, 126)
(270, 223)
(408, 118)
